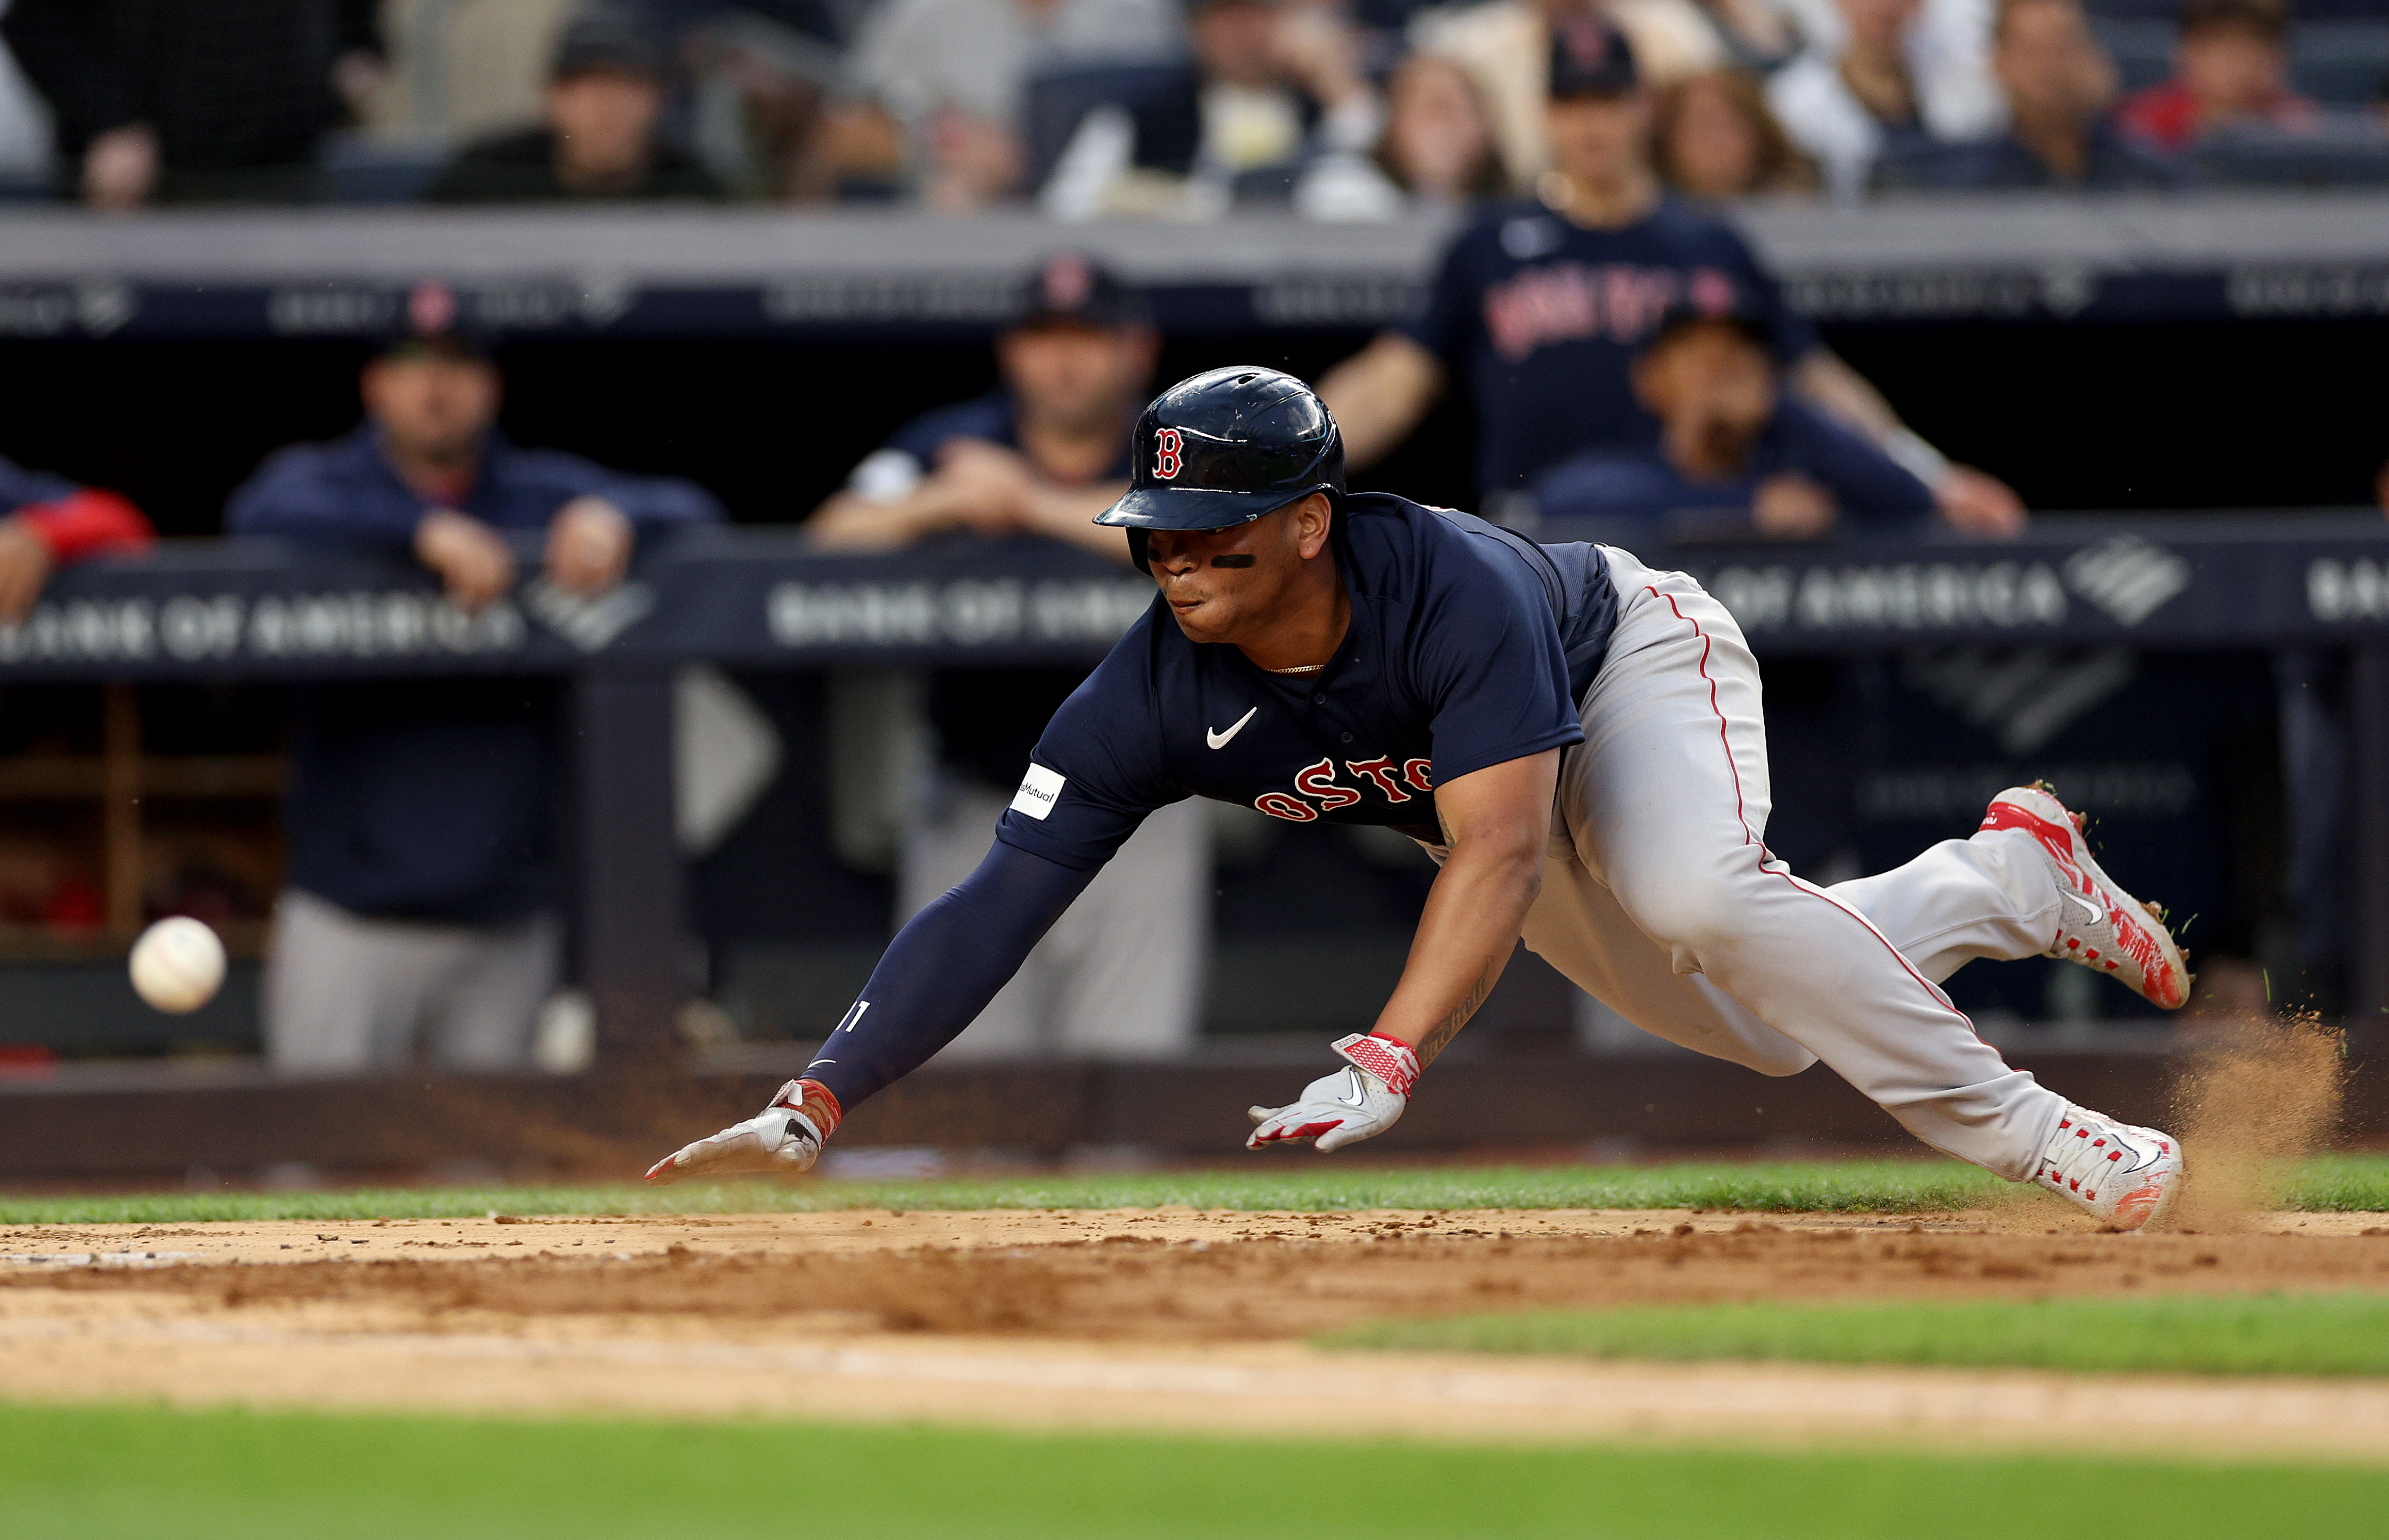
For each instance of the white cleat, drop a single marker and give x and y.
(2101, 927)
(780, 1140)
(2127, 1176)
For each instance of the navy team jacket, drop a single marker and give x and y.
(430, 800)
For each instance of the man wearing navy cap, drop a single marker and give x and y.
(1538, 308)
(1737, 455)
(1037, 458)
(605, 102)
(420, 906)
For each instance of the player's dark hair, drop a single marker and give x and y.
(2263, 19)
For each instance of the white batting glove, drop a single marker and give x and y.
(1350, 1105)
(782, 1140)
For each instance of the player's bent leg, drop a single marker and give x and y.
(2024, 885)
(1578, 926)
(1957, 901)
(1667, 802)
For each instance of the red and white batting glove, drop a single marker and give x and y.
(782, 1140)
(1350, 1105)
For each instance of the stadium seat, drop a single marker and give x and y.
(2348, 151)
(2142, 46)
(360, 169)
(2341, 63)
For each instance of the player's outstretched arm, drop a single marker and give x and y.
(933, 981)
(1496, 823)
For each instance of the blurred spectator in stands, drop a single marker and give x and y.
(1438, 148)
(460, 70)
(605, 96)
(1736, 454)
(1714, 138)
(25, 147)
(2060, 84)
(1506, 45)
(172, 102)
(1273, 106)
(762, 77)
(2231, 66)
(1120, 974)
(942, 82)
(1890, 73)
(46, 521)
(421, 905)
(1759, 35)
(1538, 308)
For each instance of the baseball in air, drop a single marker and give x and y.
(178, 965)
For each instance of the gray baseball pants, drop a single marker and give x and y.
(1119, 975)
(1660, 900)
(347, 993)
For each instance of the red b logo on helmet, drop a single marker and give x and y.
(1169, 454)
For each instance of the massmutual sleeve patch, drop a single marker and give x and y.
(1040, 789)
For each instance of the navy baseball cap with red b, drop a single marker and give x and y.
(435, 320)
(1591, 57)
(1071, 288)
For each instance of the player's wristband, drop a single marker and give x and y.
(1911, 453)
(1389, 1059)
(815, 1101)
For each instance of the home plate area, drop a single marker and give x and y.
(1163, 1318)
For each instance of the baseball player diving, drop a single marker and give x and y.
(1578, 741)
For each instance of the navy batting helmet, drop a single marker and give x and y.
(1226, 448)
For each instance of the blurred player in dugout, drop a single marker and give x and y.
(421, 909)
(1037, 458)
(1540, 309)
(47, 522)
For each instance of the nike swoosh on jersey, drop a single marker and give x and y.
(1219, 740)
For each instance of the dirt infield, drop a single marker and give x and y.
(1167, 1318)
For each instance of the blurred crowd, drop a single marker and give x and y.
(1342, 110)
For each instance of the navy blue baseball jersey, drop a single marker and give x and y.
(1468, 647)
(1542, 319)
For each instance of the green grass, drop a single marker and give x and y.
(1898, 1187)
(100, 1473)
(2314, 1334)
(2340, 1184)
(2335, 1183)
